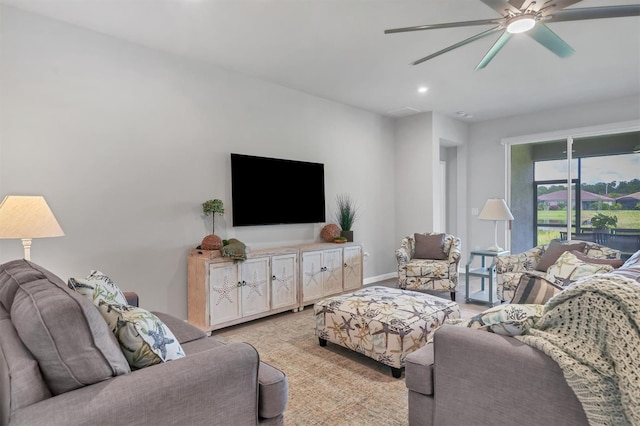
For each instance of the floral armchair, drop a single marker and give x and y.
(509, 269)
(428, 273)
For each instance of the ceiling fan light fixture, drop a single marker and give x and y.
(521, 23)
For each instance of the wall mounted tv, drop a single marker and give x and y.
(273, 191)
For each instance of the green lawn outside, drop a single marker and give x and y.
(626, 218)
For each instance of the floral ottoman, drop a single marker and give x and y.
(385, 324)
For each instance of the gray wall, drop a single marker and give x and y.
(421, 141)
(125, 143)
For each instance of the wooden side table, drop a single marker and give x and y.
(484, 295)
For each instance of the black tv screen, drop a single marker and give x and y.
(271, 191)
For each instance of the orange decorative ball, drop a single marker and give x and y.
(211, 242)
(330, 232)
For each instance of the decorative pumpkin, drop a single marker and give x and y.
(211, 242)
(330, 232)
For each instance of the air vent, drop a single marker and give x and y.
(403, 112)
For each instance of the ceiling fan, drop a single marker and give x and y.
(525, 16)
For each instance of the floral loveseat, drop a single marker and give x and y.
(419, 270)
(509, 269)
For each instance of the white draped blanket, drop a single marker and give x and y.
(592, 330)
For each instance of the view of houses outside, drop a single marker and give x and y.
(609, 186)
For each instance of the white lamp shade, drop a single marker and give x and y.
(27, 217)
(495, 209)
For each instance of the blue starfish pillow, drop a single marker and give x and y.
(144, 339)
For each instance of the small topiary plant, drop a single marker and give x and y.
(212, 207)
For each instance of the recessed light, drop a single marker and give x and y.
(422, 89)
(463, 114)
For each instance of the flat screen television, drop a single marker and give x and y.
(273, 191)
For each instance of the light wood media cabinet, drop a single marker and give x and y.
(221, 292)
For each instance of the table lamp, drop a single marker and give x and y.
(495, 209)
(27, 217)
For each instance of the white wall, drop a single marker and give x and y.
(125, 143)
(486, 170)
(416, 159)
(454, 134)
(420, 145)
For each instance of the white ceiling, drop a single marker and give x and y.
(336, 49)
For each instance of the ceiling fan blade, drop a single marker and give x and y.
(543, 35)
(548, 8)
(459, 44)
(446, 25)
(517, 3)
(594, 13)
(503, 7)
(499, 44)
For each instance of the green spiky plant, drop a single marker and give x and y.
(347, 212)
(211, 207)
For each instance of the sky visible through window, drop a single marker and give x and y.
(619, 168)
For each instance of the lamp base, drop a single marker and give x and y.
(26, 244)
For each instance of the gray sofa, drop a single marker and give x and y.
(61, 365)
(471, 377)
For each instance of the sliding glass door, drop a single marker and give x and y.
(605, 210)
(551, 197)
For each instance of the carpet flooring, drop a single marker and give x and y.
(328, 385)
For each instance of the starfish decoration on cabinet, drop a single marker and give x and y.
(256, 284)
(224, 291)
(283, 280)
(312, 274)
(351, 268)
(332, 274)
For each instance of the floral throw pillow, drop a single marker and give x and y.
(568, 269)
(507, 320)
(97, 286)
(144, 339)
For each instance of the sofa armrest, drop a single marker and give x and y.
(214, 387)
(418, 370)
(132, 298)
(183, 331)
(402, 256)
(486, 378)
(455, 251)
(520, 262)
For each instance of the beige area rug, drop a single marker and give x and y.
(328, 385)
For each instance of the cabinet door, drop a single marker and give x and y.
(312, 272)
(224, 294)
(332, 262)
(284, 284)
(254, 278)
(352, 273)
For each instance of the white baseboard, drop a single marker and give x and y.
(378, 278)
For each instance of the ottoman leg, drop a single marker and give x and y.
(453, 296)
(396, 372)
(322, 341)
